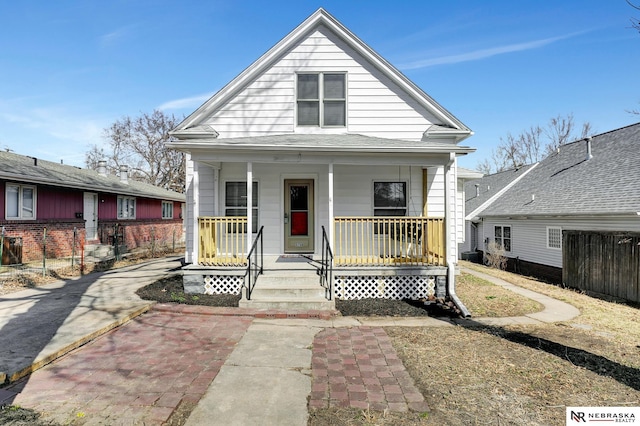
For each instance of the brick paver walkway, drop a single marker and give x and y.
(136, 374)
(359, 368)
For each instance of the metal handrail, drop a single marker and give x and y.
(255, 263)
(326, 266)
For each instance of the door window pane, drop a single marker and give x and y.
(299, 223)
(299, 197)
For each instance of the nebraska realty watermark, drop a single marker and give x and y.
(581, 415)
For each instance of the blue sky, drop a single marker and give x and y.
(68, 69)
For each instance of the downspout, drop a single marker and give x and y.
(451, 285)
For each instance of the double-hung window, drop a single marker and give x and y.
(236, 201)
(389, 198)
(167, 209)
(126, 207)
(321, 99)
(503, 237)
(20, 201)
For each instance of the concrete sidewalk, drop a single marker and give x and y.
(41, 324)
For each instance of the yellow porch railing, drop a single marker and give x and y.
(389, 241)
(223, 241)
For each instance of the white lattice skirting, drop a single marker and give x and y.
(384, 287)
(222, 284)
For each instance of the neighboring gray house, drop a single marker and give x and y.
(479, 194)
(588, 185)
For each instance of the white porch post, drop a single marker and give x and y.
(196, 213)
(249, 204)
(331, 214)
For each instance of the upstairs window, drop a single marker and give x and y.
(126, 207)
(20, 202)
(167, 209)
(322, 99)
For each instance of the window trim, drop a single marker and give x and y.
(256, 209)
(321, 99)
(169, 204)
(119, 214)
(549, 229)
(502, 237)
(20, 201)
(406, 197)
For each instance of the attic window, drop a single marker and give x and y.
(321, 99)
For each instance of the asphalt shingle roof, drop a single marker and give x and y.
(567, 183)
(20, 168)
(489, 186)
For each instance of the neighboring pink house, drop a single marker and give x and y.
(39, 194)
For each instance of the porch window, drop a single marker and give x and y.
(389, 198)
(321, 99)
(167, 209)
(126, 207)
(503, 237)
(554, 237)
(236, 201)
(20, 202)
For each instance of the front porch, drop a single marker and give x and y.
(371, 257)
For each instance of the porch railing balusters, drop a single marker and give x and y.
(222, 241)
(389, 241)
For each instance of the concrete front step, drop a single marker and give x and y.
(301, 291)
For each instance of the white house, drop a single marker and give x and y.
(343, 151)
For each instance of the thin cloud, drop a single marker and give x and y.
(485, 53)
(192, 102)
(115, 36)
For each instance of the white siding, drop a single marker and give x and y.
(435, 192)
(529, 237)
(375, 105)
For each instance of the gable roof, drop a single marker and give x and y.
(569, 183)
(23, 169)
(191, 127)
(480, 193)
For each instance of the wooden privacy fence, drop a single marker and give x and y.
(602, 262)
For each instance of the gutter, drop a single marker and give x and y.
(451, 286)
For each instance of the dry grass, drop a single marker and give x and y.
(484, 299)
(478, 375)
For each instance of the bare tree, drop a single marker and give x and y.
(533, 144)
(140, 143)
(635, 23)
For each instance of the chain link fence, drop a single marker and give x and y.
(62, 253)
